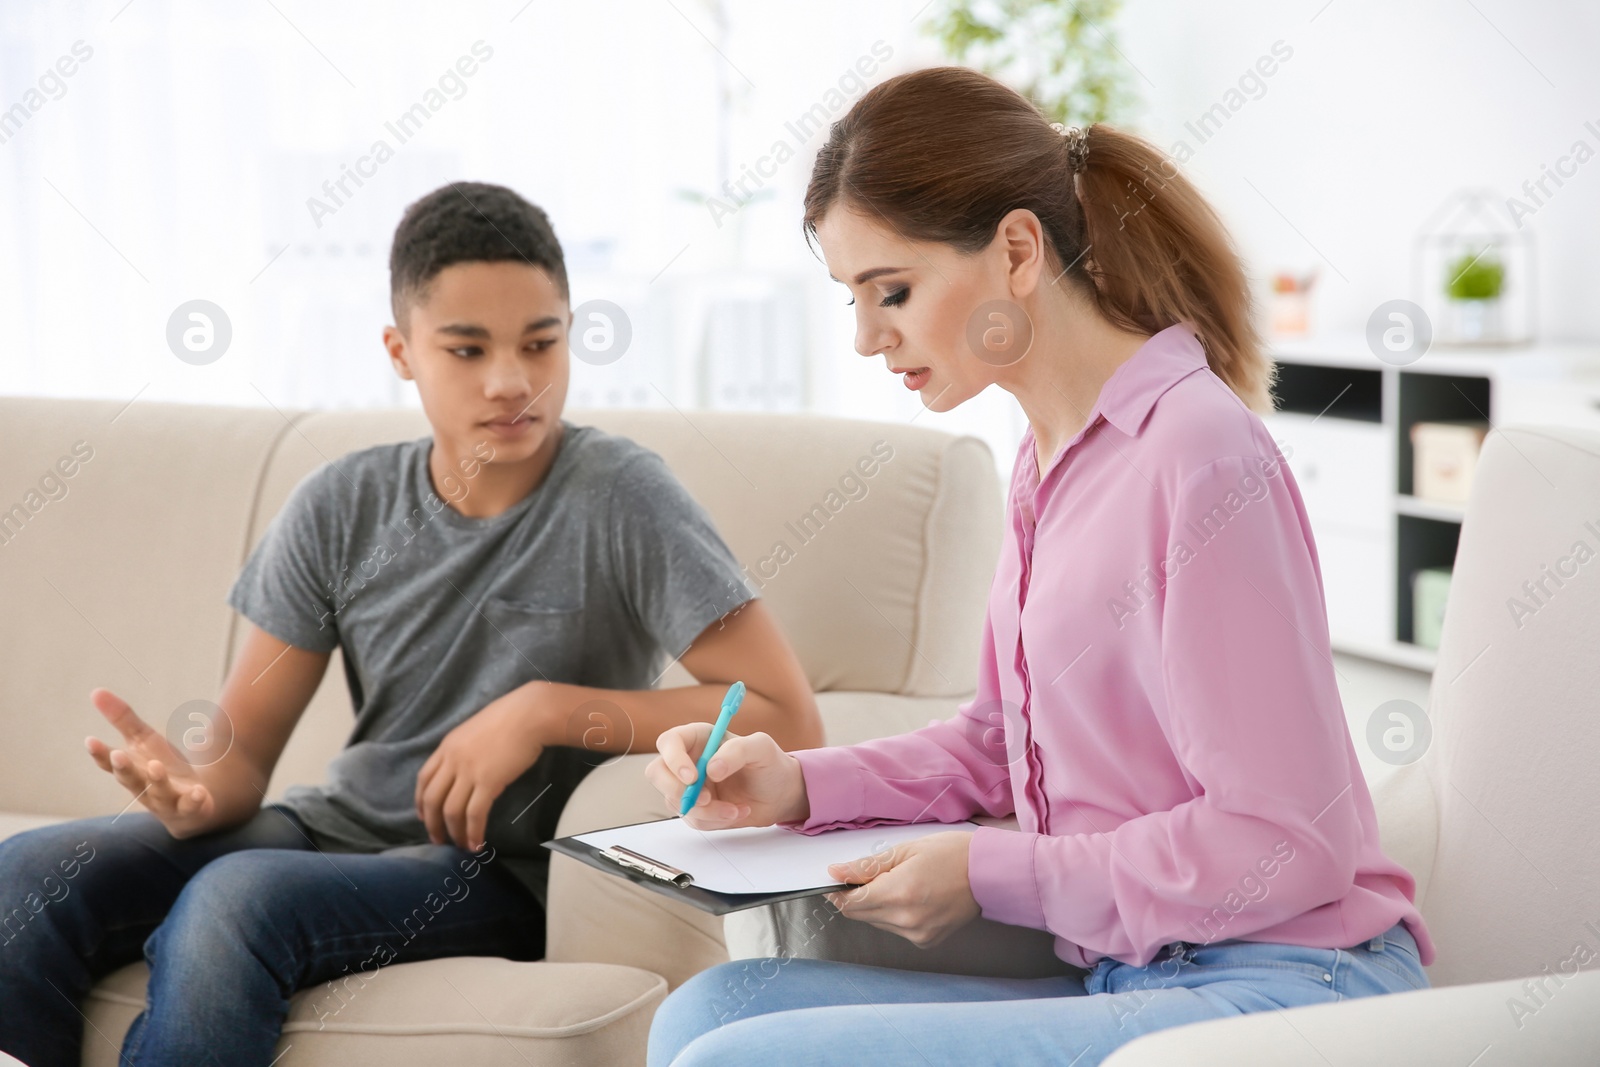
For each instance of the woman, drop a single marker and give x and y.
(1156, 699)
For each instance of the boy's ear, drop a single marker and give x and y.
(395, 342)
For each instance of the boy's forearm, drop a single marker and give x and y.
(237, 786)
(630, 720)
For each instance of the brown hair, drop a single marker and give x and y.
(943, 154)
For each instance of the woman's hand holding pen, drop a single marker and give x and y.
(919, 889)
(750, 780)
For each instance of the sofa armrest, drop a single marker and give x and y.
(1449, 1027)
(851, 716)
(600, 918)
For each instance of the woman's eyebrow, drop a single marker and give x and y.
(867, 275)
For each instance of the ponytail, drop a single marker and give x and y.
(1158, 254)
(943, 154)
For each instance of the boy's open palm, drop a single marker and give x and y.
(151, 768)
(750, 780)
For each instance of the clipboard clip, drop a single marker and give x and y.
(627, 857)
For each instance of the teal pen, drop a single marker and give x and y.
(730, 704)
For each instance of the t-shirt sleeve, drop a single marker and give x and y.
(286, 586)
(676, 573)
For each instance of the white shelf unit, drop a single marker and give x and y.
(1344, 419)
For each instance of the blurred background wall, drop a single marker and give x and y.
(154, 152)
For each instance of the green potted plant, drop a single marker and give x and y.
(1474, 284)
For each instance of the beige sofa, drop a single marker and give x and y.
(1498, 819)
(116, 575)
(120, 583)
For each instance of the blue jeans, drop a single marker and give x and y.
(803, 1012)
(232, 924)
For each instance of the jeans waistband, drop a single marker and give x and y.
(1184, 950)
(1397, 932)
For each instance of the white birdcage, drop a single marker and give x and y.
(1474, 272)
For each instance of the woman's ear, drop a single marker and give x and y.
(1021, 234)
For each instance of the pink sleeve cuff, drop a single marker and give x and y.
(833, 788)
(1001, 873)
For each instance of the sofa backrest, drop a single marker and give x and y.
(116, 574)
(1514, 760)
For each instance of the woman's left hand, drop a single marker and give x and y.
(918, 889)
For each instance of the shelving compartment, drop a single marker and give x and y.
(1421, 543)
(1338, 392)
(1436, 398)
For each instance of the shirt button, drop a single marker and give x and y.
(1327, 977)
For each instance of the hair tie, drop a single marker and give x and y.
(1077, 144)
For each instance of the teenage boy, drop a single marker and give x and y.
(504, 593)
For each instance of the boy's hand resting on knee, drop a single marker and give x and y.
(472, 766)
(750, 780)
(152, 769)
(919, 889)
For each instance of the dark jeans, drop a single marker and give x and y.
(233, 923)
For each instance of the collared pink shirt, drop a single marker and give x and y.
(1156, 699)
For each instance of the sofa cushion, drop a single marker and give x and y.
(485, 1011)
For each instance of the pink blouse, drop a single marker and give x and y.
(1156, 699)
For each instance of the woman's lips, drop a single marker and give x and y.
(916, 379)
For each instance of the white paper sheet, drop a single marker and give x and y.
(758, 859)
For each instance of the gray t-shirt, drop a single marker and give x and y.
(595, 578)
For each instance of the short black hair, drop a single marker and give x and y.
(468, 222)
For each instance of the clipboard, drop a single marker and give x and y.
(669, 881)
(660, 877)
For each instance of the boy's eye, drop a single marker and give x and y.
(466, 352)
(894, 299)
(543, 343)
